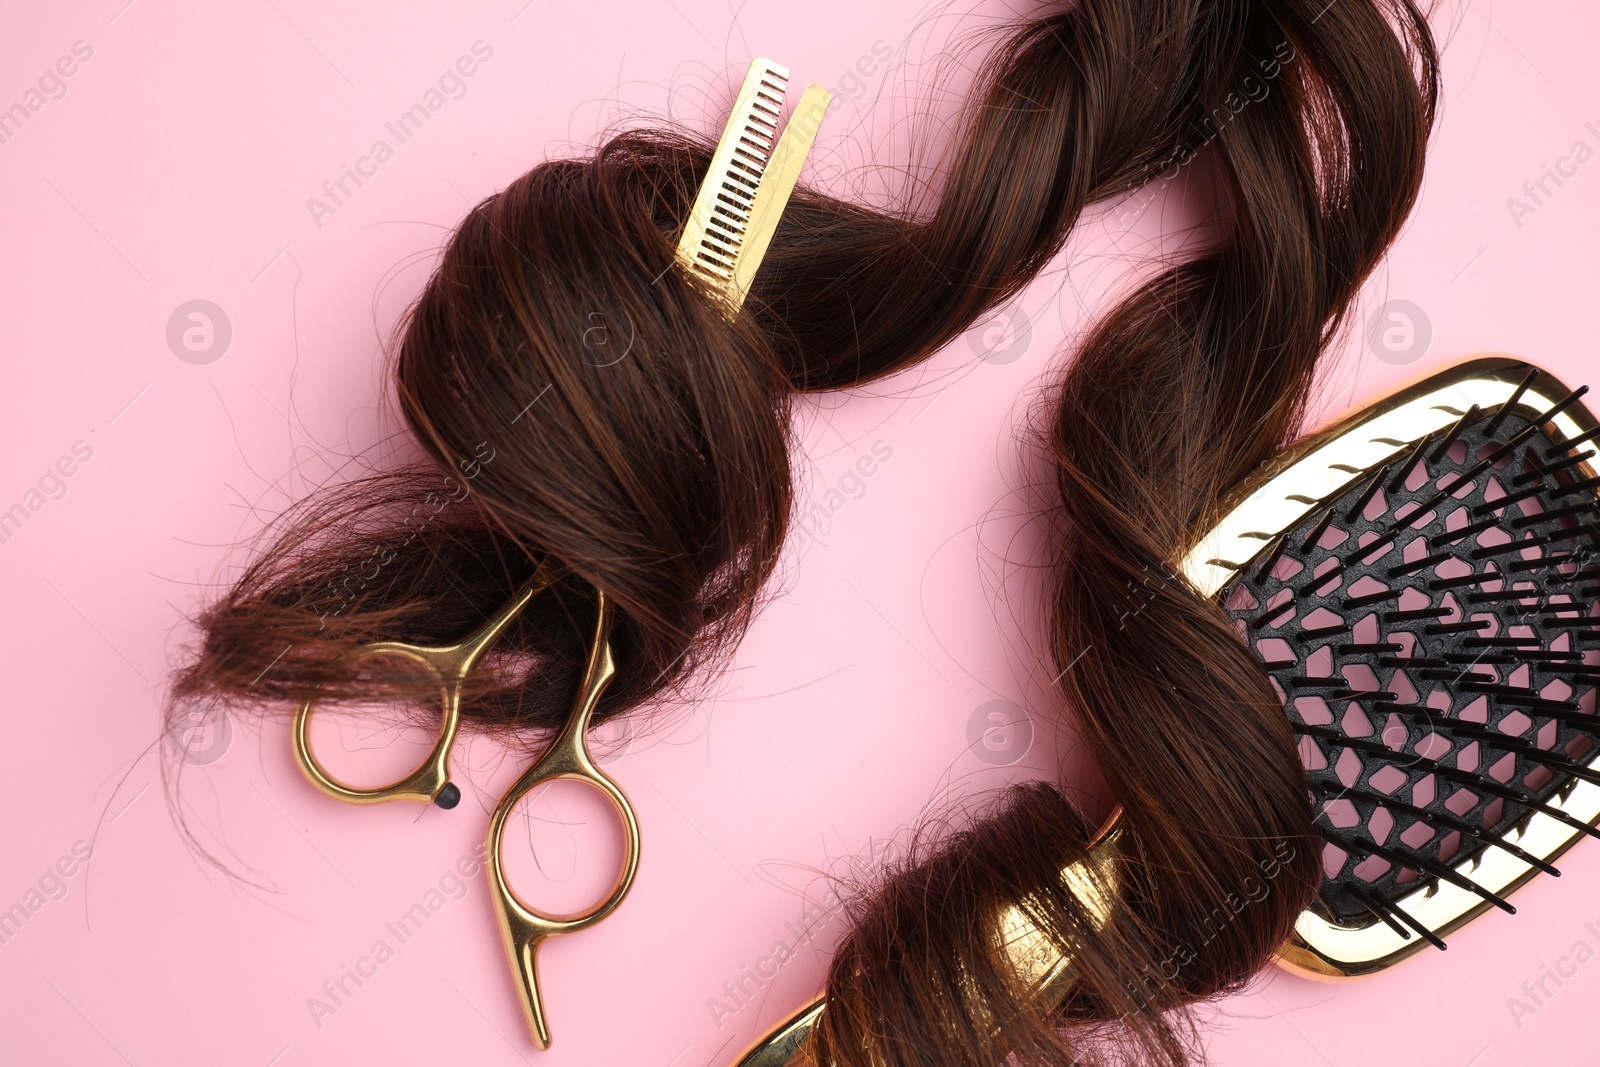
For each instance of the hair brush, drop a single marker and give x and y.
(1419, 582)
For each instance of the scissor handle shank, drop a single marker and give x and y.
(424, 783)
(523, 928)
(450, 665)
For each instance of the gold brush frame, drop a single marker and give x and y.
(1315, 466)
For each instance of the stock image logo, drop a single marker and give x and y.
(1004, 336)
(604, 342)
(999, 733)
(611, 740)
(1399, 332)
(199, 332)
(200, 737)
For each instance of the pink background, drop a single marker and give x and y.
(177, 167)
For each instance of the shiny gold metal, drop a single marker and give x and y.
(749, 181)
(1093, 879)
(786, 1040)
(1320, 464)
(523, 929)
(450, 664)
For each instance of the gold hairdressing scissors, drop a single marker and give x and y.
(567, 757)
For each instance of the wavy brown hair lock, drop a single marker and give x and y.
(1176, 397)
(654, 465)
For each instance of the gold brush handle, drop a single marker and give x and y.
(1032, 952)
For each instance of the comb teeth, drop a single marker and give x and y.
(1456, 704)
(752, 174)
(754, 131)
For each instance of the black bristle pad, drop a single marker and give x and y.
(1464, 705)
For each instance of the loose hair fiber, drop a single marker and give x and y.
(663, 479)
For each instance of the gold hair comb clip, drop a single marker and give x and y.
(752, 173)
